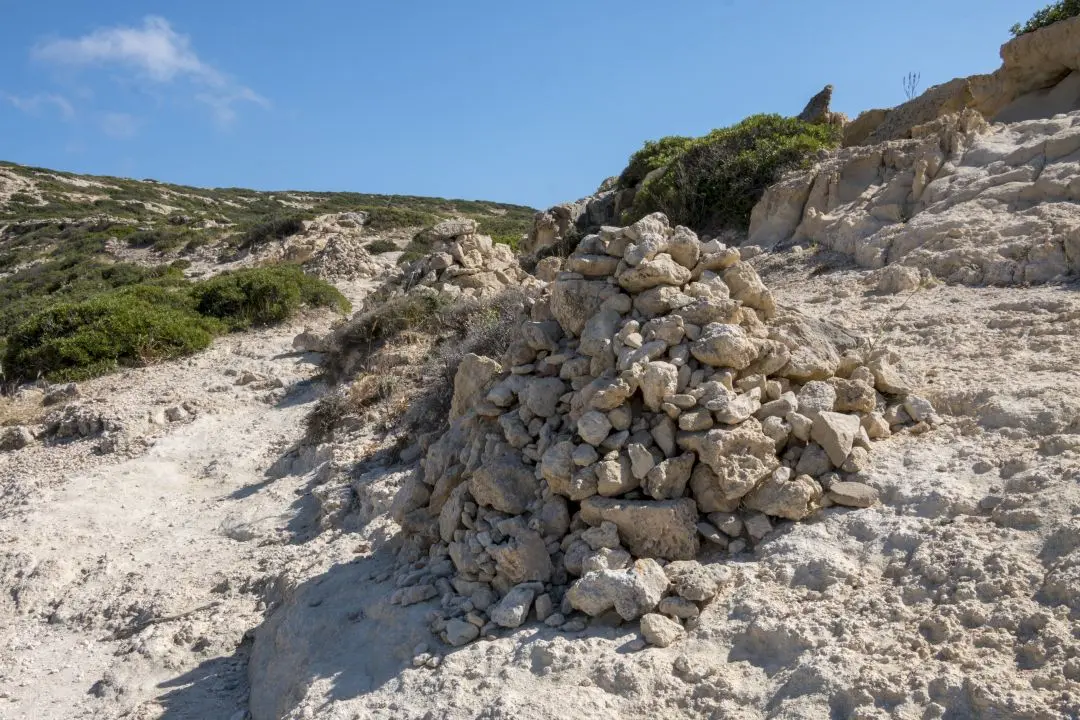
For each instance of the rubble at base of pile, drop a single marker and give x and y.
(656, 398)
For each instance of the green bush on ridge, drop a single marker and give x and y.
(654, 155)
(716, 180)
(1048, 16)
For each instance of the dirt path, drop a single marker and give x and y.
(130, 579)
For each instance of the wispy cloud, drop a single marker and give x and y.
(36, 104)
(119, 125)
(157, 54)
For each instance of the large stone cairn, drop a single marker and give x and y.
(657, 399)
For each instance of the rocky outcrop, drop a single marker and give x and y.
(666, 403)
(1039, 78)
(968, 202)
(818, 110)
(464, 262)
(568, 221)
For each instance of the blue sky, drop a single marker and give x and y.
(527, 102)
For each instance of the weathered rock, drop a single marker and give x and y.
(739, 458)
(692, 580)
(724, 345)
(853, 494)
(574, 300)
(451, 229)
(816, 397)
(593, 427)
(614, 477)
(505, 484)
(512, 610)
(541, 395)
(459, 632)
(664, 529)
(523, 558)
(746, 287)
(781, 495)
(658, 380)
(660, 270)
(836, 433)
(898, 279)
(668, 479)
(60, 394)
(632, 592)
(677, 607)
(661, 631)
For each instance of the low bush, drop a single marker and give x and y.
(716, 181)
(368, 329)
(380, 246)
(154, 314)
(655, 154)
(447, 330)
(1048, 16)
(277, 228)
(262, 296)
(128, 327)
(390, 218)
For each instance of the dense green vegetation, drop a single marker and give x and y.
(131, 326)
(1048, 16)
(262, 296)
(153, 318)
(712, 183)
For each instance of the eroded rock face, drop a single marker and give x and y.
(630, 420)
(961, 200)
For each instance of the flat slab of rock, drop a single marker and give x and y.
(853, 494)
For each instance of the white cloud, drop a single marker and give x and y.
(157, 54)
(119, 125)
(34, 104)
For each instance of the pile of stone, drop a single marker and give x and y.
(464, 262)
(657, 398)
(332, 247)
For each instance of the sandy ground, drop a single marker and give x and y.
(132, 579)
(215, 571)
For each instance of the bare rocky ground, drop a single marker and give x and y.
(134, 581)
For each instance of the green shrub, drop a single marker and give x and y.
(513, 241)
(415, 311)
(1048, 16)
(715, 183)
(391, 218)
(261, 296)
(276, 228)
(377, 247)
(655, 154)
(128, 327)
(420, 245)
